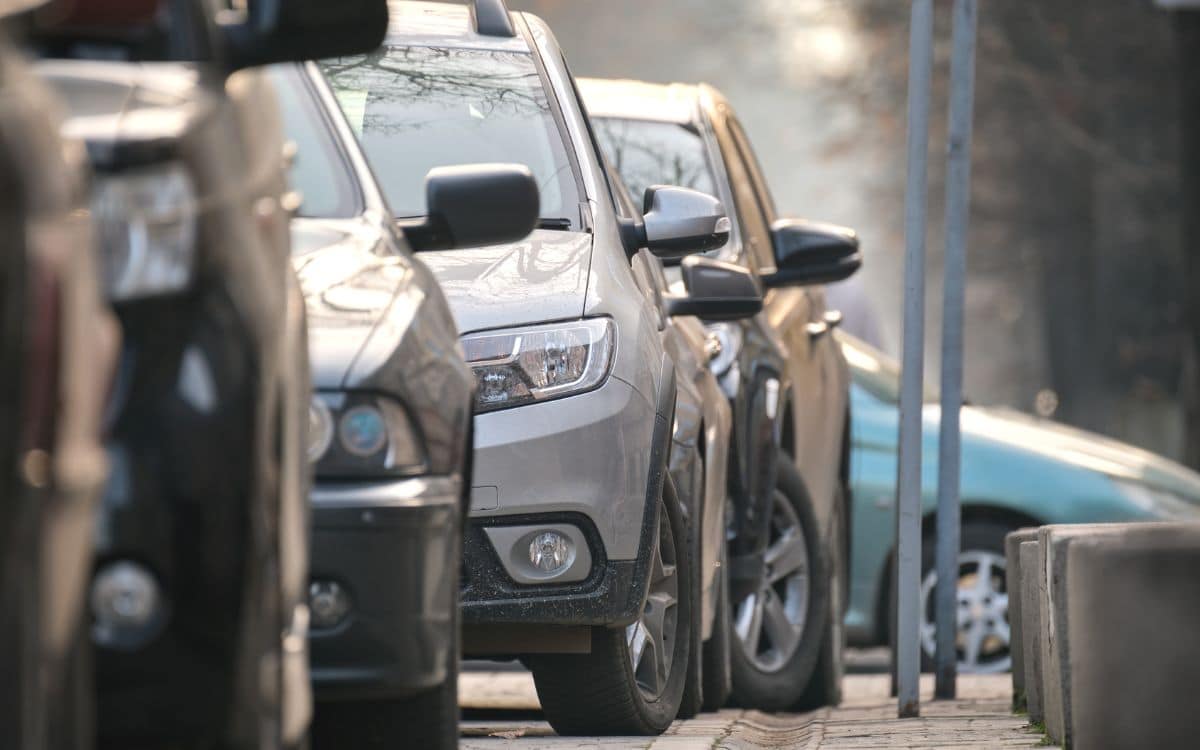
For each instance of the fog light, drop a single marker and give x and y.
(549, 551)
(126, 604)
(328, 603)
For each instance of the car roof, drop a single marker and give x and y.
(443, 25)
(629, 99)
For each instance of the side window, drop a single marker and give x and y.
(756, 175)
(752, 218)
(593, 142)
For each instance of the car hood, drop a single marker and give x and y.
(541, 278)
(1077, 447)
(349, 285)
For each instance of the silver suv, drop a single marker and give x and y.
(576, 557)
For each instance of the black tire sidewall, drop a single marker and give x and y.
(780, 690)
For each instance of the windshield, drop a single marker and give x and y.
(416, 108)
(875, 372)
(646, 153)
(319, 172)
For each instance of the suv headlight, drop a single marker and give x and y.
(146, 222)
(537, 363)
(353, 434)
(1156, 502)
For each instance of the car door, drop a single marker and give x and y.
(790, 311)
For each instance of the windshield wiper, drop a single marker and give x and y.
(561, 224)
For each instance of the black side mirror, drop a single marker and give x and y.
(273, 31)
(476, 204)
(716, 291)
(679, 221)
(808, 252)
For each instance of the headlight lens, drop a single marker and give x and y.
(1157, 502)
(146, 221)
(320, 429)
(537, 363)
(359, 433)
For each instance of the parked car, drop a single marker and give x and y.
(577, 554)
(389, 429)
(787, 383)
(699, 459)
(57, 355)
(198, 593)
(1017, 470)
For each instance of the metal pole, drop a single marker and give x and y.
(908, 516)
(958, 198)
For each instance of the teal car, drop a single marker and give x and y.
(1017, 470)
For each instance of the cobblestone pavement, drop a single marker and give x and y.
(502, 712)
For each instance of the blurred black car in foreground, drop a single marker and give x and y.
(389, 428)
(198, 592)
(57, 350)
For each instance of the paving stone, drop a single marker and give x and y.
(1012, 555)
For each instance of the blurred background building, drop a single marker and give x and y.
(1078, 299)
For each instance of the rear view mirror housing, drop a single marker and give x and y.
(474, 205)
(679, 221)
(716, 291)
(809, 252)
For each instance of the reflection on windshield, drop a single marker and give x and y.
(646, 153)
(416, 108)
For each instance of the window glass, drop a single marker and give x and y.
(752, 211)
(646, 153)
(416, 108)
(319, 172)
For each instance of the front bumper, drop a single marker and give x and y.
(394, 548)
(593, 462)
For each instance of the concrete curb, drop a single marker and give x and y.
(1133, 621)
(1031, 627)
(1053, 542)
(1012, 556)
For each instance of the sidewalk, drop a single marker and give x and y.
(866, 719)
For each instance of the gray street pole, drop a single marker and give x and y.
(908, 516)
(958, 199)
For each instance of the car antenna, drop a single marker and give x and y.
(491, 18)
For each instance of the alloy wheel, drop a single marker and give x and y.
(769, 623)
(652, 637)
(983, 632)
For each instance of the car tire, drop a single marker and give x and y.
(825, 687)
(776, 679)
(606, 692)
(717, 671)
(981, 543)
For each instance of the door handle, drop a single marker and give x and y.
(816, 329)
(833, 318)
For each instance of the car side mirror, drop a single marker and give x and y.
(809, 252)
(475, 204)
(716, 291)
(678, 221)
(275, 31)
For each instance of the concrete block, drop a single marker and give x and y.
(1012, 555)
(1134, 635)
(1031, 627)
(1053, 640)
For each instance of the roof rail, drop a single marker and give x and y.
(491, 18)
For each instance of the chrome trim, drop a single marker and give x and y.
(399, 493)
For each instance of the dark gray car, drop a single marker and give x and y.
(389, 434)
